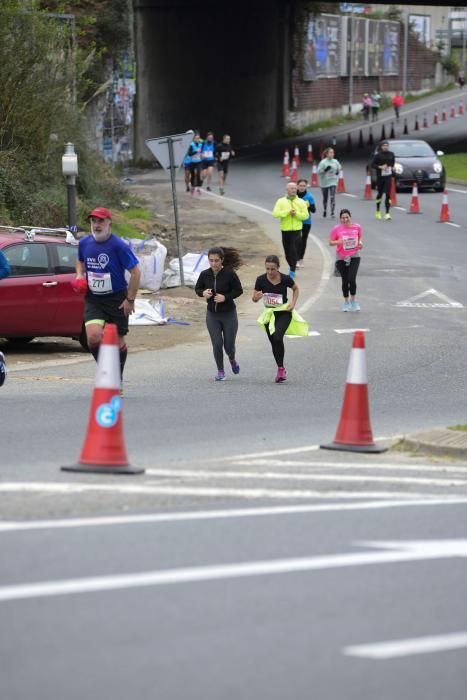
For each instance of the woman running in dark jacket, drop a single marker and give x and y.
(220, 285)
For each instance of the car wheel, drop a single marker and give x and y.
(20, 341)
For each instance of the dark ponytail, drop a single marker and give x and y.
(230, 256)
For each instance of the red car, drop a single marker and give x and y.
(37, 298)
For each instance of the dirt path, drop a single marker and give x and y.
(204, 223)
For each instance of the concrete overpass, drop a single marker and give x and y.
(211, 65)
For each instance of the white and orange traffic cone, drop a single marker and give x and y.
(392, 192)
(293, 172)
(314, 176)
(368, 192)
(443, 115)
(340, 181)
(453, 112)
(309, 155)
(425, 121)
(285, 164)
(414, 203)
(435, 117)
(354, 432)
(444, 212)
(460, 109)
(296, 155)
(104, 450)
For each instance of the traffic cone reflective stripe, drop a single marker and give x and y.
(414, 203)
(367, 192)
(340, 181)
(309, 155)
(104, 448)
(354, 432)
(314, 175)
(444, 213)
(293, 173)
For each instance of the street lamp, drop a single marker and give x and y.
(70, 171)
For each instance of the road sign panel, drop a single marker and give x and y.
(159, 148)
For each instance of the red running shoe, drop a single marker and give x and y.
(281, 375)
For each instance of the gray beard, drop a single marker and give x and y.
(101, 237)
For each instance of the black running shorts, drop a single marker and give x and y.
(105, 308)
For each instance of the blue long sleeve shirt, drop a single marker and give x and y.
(4, 266)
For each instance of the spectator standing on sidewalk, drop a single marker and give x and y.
(375, 105)
(292, 212)
(328, 175)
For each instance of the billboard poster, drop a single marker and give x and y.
(322, 47)
(356, 49)
(390, 48)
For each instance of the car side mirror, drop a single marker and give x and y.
(440, 153)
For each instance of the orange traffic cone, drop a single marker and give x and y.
(443, 115)
(392, 192)
(444, 213)
(425, 121)
(354, 432)
(414, 203)
(309, 155)
(460, 108)
(340, 182)
(435, 117)
(104, 449)
(296, 155)
(293, 172)
(314, 176)
(453, 112)
(367, 192)
(285, 164)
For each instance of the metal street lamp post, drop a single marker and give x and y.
(70, 171)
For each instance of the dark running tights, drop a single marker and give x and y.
(383, 187)
(302, 243)
(282, 319)
(195, 175)
(291, 243)
(222, 327)
(331, 193)
(349, 276)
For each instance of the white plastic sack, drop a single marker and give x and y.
(151, 255)
(147, 314)
(193, 265)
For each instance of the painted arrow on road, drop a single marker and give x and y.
(396, 552)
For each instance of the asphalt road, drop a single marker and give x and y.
(245, 562)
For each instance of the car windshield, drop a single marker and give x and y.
(410, 149)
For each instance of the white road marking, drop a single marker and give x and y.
(405, 553)
(446, 301)
(350, 330)
(147, 489)
(451, 189)
(284, 476)
(408, 647)
(347, 194)
(400, 208)
(310, 335)
(378, 466)
(224, 514)
(451, 223)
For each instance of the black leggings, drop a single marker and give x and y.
(222, 327)
(195, 172)
(282, 319)
(349, 276)
(331, 193)
(302, 243)
(290, 243)
(383, 185)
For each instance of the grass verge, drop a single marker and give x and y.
(456, 165)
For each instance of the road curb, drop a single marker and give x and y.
(440, 442)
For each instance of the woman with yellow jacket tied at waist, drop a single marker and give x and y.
(292, 212)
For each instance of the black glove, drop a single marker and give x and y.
(312, 208)
(329, 167)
